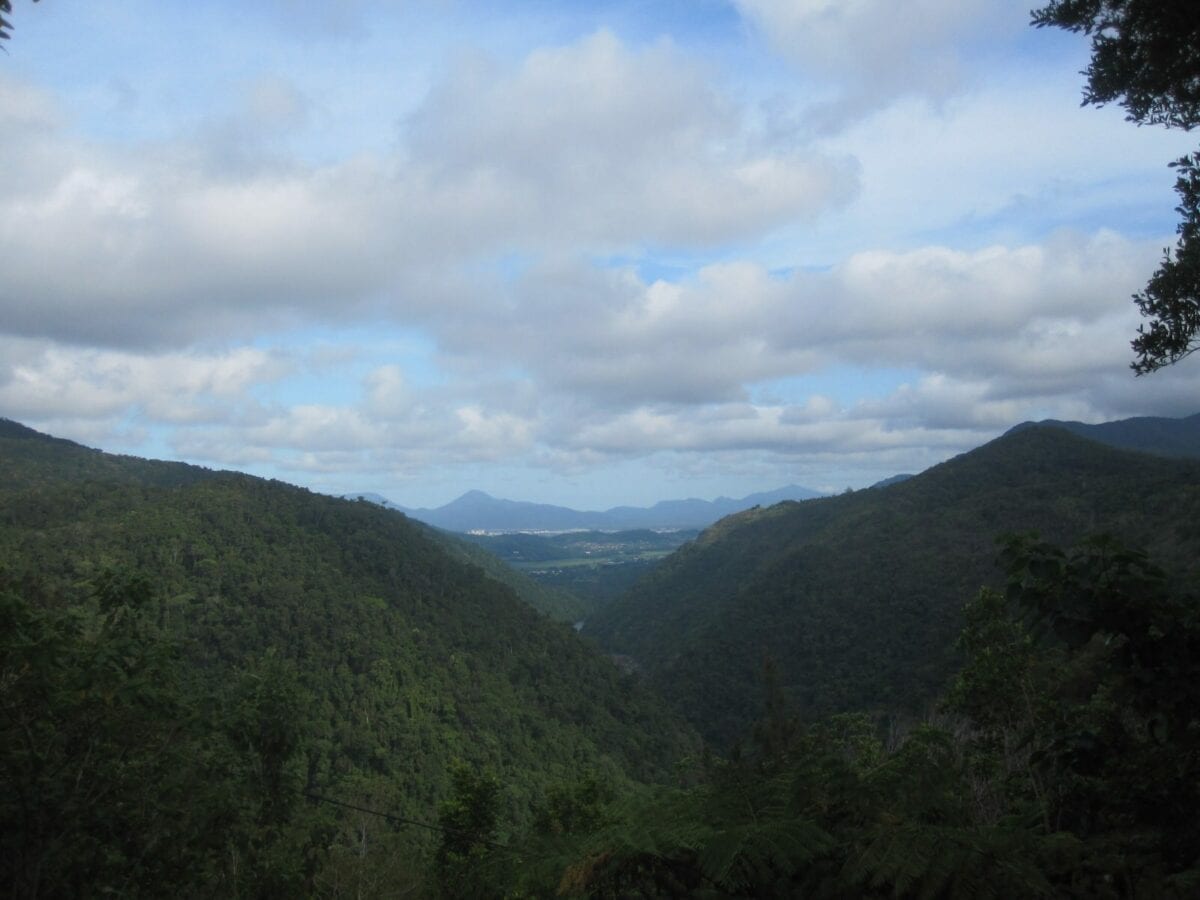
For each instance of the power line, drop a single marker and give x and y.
(392, 817)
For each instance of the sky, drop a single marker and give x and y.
(589, 254)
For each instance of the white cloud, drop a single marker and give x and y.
(128, 251)
(142, 275)
(873, 51)
(331, 19)
(587, 145)
(317, 428)
(942, 403)
(1048, 316)
(388, 394)
(41, 381)
(573, 364)
(594, 141)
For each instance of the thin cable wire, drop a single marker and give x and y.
(392, 817)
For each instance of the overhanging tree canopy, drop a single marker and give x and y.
(1146, 55)
(6, 25)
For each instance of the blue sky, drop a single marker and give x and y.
(591, 254)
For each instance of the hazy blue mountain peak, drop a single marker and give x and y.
(476, 510)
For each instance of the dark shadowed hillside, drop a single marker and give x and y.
(31, 459)
(249, 564)
(1147, 434)
(857, 597)
(404, 658)
(554, 602)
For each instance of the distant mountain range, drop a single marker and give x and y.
(477, 511)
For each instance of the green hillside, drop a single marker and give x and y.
(31, 459)
(215, 685)
(593, 567)
(395, 659)
(857, 598)
(1147, 434)
(560, 605)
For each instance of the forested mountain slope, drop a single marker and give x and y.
(30, 460)
(591, 567)
(1148, 434)
(556, 603)
(403, 658)
(857, 598)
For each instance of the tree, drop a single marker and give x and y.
(1146, 55)
(468, 821)
(1119, 735)
(109, 784)
(6, 26)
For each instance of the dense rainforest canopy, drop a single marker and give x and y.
(214, 685)
(858, 597)
(238, 688)
(254, 640)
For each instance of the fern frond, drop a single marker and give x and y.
(930, 861)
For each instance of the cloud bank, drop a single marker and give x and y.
(613, 251)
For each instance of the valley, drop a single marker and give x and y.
(600, 451)
(311, 647)
(595, 567)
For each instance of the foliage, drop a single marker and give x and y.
(468, 820)
(556, 603)
(1124, 737)
(6, 26)
(834, 815)
(194, 665)
(117, 772)
(1156, 435)
(1090, 730)
(78, 692)
(1146, 54)
(858, 597)
(595, 586)
(1051, 772)
(1171, 300)
(592, 567)
(300, 644)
